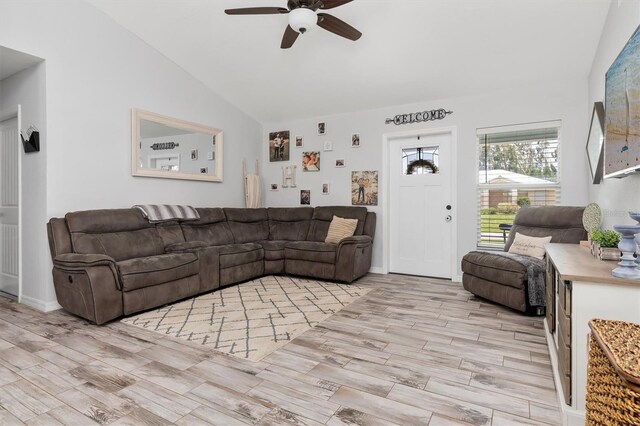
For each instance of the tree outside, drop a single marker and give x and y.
(526, 166)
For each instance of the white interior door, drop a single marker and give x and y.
(9, 213)
(420, 225)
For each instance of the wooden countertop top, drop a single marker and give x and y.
(575, 263)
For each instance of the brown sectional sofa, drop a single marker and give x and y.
(110, 263)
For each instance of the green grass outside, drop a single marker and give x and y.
(490, 222)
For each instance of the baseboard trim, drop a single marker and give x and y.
(39, 304)
(376, 270)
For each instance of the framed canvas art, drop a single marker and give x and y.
(364, 188)
(311, 161)
(622, 111)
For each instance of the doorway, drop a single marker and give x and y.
(421, 215)
(9, 207)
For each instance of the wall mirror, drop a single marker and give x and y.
(166, 147)
(595, 143)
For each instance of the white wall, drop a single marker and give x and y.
(560, 100)
(27, 88)
(615, 196)
(96, 72)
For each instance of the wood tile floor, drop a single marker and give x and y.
(414, 351)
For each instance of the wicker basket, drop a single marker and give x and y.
(613, 377)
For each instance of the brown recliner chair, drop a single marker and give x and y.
(504, 280)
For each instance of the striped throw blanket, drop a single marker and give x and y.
(166, 212)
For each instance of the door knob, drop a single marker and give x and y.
(448, 206)
(448, 218)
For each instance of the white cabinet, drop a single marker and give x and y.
(580, 288)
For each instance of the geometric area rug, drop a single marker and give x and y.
(253, 319)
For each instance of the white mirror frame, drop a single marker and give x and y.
(136, 170)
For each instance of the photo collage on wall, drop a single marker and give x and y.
(363, 185)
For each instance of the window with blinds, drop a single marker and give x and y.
(518, 167)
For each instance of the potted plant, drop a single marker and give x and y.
(607, 244)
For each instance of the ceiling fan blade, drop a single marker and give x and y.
(290, 36)
(337, 26)
(330, 4)
(257, 11)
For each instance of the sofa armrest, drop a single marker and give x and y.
(353, 258)
(356, 239)
(209, 261)
(88, 285)
(80, 261)
(185, 246)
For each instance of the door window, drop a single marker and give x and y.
(420, 161)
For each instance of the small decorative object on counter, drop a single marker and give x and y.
(607, 244)
(627, 246)
(636, 216)
(592, 221)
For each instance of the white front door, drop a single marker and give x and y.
(9, 214)
(420, 200)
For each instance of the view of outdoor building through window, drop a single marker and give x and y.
(516, 169)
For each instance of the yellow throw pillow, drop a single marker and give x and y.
(529, 246)
(340, 229)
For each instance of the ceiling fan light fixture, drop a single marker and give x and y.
(302, 19)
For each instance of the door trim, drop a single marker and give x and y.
(384, 180)
(8, 114)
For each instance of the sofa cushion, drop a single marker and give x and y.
(239, 254)
(211, 228)
(170, 232)
(273, 250)
(340, 229)
(153, 270)
(248, 225)
(529, 246)
(495, 268)
(322, 217)
(119, 233)
(289, 223)
(313, 251)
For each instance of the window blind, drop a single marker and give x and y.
(517, 168)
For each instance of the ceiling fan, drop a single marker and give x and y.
(303, 17)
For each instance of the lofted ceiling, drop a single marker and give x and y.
(12, 62)
(410, 51)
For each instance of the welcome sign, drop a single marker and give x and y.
(418, 117)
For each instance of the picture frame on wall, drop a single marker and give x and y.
(194, 154)
(305, 197)
(311, 161)
(279, 146)
(325, 189)
(364, 188)
(340, 163)
(274, 186)
(595, 143)
(328, 146)
(355, 140)
(299, 142)
(322, 129)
